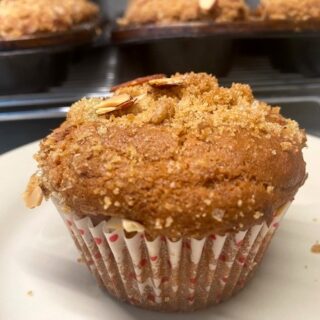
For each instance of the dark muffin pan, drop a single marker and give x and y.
(174, 55)
(35, 63)
(25, 71)
(208, 46)
(296, 55)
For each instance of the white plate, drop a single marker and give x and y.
(37, 255)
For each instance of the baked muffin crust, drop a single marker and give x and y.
(186, 159)
(159, 11)
(296, 10)
(28, 17)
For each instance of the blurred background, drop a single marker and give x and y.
(282, 70)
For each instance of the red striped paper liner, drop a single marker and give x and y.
(166, 275)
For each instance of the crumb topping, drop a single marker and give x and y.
(185, 159)
(159, 11)
(200, 108)
(298, 10)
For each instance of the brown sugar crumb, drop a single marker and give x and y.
(169, 222)
(218, 214)
(160, 114)
(30, 293)
(158, 224)
(107, 203)
(172, 185)
(316, 248)
(257, 215)
(252, 200)
(29, 17)
(286, 146)
(270, 189)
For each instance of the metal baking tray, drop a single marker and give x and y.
(207, 29)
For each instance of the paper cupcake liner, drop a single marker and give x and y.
(166, 275)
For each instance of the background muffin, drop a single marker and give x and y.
(172, 174)
(27, 17)
(159, 11)
(299, 10)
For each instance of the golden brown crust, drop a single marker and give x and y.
(159, 11)
(296, 10)
(20, 18)
(187, 160)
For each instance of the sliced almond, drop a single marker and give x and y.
(139, 98)
(33, 195)
(166, 82)
(117, 103)
(131, 226)
(113, 102)
(137, 81)
(102, 111)
(127, 104)
(207, 5)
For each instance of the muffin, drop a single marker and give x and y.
(20, 18)
(160, 11)
(294, 10)
(172, 188)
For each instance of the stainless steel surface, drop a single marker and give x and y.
(113, 7)
(52, 113)
(97, 73)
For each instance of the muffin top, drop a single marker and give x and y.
(180, 155)
(159, 11)
(20, 18)
(297, 10)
